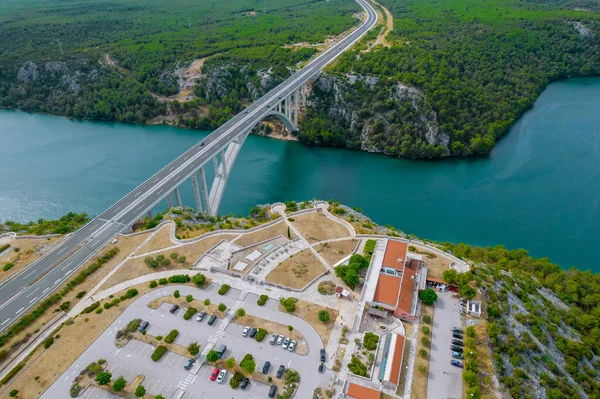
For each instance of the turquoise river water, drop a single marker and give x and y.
(539, 190)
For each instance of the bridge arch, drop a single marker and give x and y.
(287, 122)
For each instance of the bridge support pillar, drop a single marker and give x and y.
(197, 192)
(296, 108)
(216, 165)
(169, 201)
(178, 197)
(224, 163)
(150, 215)
(204, 190)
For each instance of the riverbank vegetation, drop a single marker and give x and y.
(63, 225)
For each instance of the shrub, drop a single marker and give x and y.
(99, 310)
(133, 325)
(179, 279)
(260, 334)
(241, 312)
(428, 296)
(370, 341)
(119, 384)
(290, 328)
(230, 363)
(174, 255)
(471, 331)
(262, 300)
(427, 319)
(181, 259)
(4, 247)
(91, 308)
(206, 302)
(153, 284)
(171, 336)
(48, 342)
(103, 377)
(370, 247)
(426, 330)
(193, 348)
(158, 352)
(324, 316)
(12, 373)
(236, 380)
(140, 391)
(74, 390)
(7, 266)
(151, 262)
(14, 392)
(80, 294)
(189, 313)
(422, 369)
(222, 307)
(212, 356)
(357, 367)
(425, 341)
(3, 355)
(289, 304)
(423, 353)
(65, 306)
(163, 281)
(129, 294)
(224, 288)
(189, 298)
(176, 294)
(199, 279)
(248, 364)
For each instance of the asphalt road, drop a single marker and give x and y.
(27, 288)
(168, 375)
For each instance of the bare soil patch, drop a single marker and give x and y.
(27, 253)
(161, 240)
(296, 271)
(309, 312)
(419, 384)
(272, 327)
(315, 227)
(436, 264)
(278, 229)
(335, 251)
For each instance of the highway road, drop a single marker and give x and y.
(27, 288)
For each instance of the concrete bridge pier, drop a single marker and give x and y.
(169, 201)
(177, 197)
(197, 197)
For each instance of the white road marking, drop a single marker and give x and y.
(31, 293)
(5, 321)
(43, 292)
(29, 274)
(62, 250)
(20, 310)
(136, 194)
(69, 264)
(56, 282)
(33, 299)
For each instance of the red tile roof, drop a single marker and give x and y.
(395, 250)
(360, 392)
(397, 360)
(406, 290)
(388, 289)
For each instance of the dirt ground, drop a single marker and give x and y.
(484, 359)
(436, 264)
(161, 240)
(389, 26)
(272, 327)
(125, 245)
(309, 312)
(26, 254)
(419, 385)
(136, 267)
(49, 364)
(262, 235)
(315, 227)
(296, 271)
(335, 251)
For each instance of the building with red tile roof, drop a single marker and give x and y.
(393, 353)
(361, 392)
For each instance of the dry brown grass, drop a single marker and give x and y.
(335, 251)
(419, 385)
(26, 254)
(297, 271)
(436, 264)
(161, 240)
(278, 229)
(136, 267)
(308, 312)
(49, 364)
(315, 227)
(272, 327)
(484, 358)
(125, 245)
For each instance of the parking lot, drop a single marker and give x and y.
(168, 376)
(445, 380)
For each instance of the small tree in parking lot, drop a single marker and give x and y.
(222, 307)
(194, 348)
(103, 377)
(140, 391)
(212, 356)
(230, 363)
(176, 294)
(119, 384)
(428, 296)
(189, 298)
(206, 302)
(241, 312)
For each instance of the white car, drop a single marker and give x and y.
(280, 340)
(273, 339)
(286, 342)
(246, 331)
(222, 375)
(292, 346)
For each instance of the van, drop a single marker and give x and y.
(222, 350)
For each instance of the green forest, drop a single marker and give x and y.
(480, 64)
(52, 58)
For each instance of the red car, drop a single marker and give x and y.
(214, 374)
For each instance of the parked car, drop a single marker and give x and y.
(253, 332)
(212, 319)
(143, 326)
(201, 316)
(214, 374)
(272, 391)
(273, 339)
(280, 340)
(189, 364)
(245, 382)
(174, 308)
(321, 367)
(280, 371)
(292, 346)
(457, 336)
(286, 342)
(266, 367)
(222, 350)
(456, 330)
(222, 376)
(323, 358)
(456, 348)
(245, 332)
(457, 355)
(457, 342)
(456, 363)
